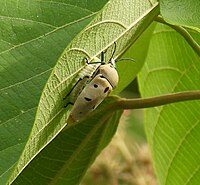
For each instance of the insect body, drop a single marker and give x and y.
(98, 87)
(83, 78)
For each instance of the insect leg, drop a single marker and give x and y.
(75, 86)
(69, 103)
(86, 60)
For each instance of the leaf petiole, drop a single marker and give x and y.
(123, 103)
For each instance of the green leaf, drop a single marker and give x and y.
(119, 21)
(128, 70)
(66, 158)
(172, 130)
(33, 36)
(184, 13)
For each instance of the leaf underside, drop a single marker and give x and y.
(172, 130)
(119, 21)
(33, 36)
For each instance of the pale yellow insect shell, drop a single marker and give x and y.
(70, 119)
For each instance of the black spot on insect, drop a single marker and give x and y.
(95, 85)
(87, 99)
(93, 107)
(106, 89)
(80, 112)
(102, 76)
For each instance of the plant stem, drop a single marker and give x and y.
(195, 46)
(123, 103)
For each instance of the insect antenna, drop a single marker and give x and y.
(102, 57)
(120, 59)
(117, 60)
(115, 46)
